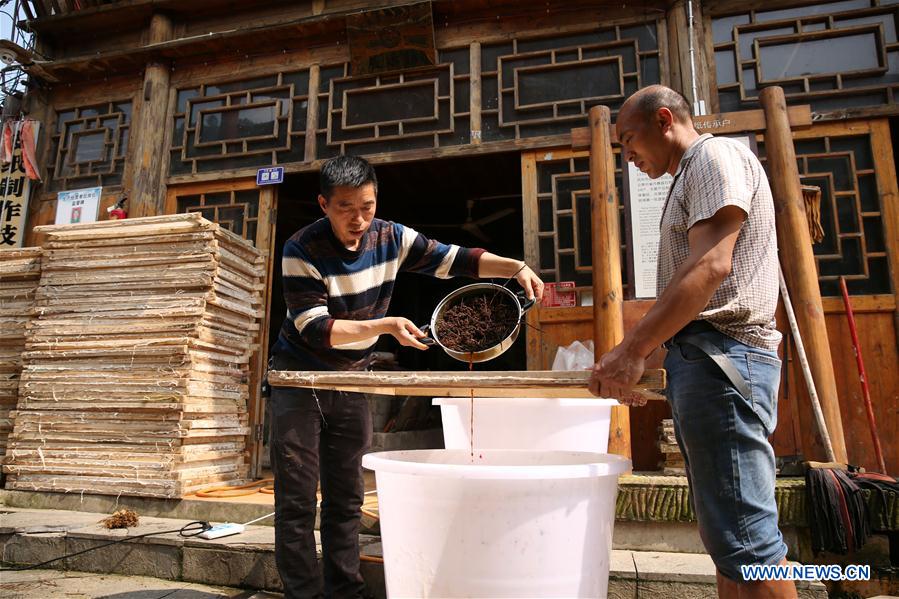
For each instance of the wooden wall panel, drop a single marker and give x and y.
(877, 337)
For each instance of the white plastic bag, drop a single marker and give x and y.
(577, 356)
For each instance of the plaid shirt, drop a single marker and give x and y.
(716, 172)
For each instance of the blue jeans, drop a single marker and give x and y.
(724, 439)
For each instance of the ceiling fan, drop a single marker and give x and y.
(472, 226)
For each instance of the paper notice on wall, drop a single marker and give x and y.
(78, 206)
(646, 199)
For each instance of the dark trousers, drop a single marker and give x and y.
(310, 438)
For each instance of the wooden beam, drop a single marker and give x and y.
(474, 107)
(523, 383)
(799, 269)
(509, 145)
(147, 196)
(26, 7)
(723, 123)
(530, 225)
(608, 296)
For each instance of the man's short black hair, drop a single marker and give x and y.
(346, 171)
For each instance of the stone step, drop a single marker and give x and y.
(645, 526)
(53, 584)
(29, 536)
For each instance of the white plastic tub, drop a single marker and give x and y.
(504, 524)
(527, 423)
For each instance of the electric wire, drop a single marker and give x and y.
(191, 529)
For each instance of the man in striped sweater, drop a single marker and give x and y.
(339, 275)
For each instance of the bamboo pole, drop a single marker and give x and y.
(798, 266)
(608, 315)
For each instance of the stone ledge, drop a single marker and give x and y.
(649, 498)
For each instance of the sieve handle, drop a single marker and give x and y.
(429, 341)
(526, 304)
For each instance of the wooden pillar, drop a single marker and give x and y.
(474, 104)
(146, 196)
(312, 112)
(684, 64)
(798, 262)
(608, 300)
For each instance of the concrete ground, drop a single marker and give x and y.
(53, 584)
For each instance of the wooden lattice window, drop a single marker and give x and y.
(419, 108)
(564, 237)
(852, 214)
(534, 87)
(89, 145)
(240, 124)
(237, 211)
(833, 55)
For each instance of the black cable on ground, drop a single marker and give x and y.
(190, 529)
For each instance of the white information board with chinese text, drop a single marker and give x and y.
(78, 206)
(645, 199)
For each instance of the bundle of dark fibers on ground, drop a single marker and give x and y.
(838, 511)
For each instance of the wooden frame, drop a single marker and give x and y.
(575, 52)
(467, 133)
(885, 177)
(531, 196)
(192, 150)
(64, 144)
(811, 27)
(198, 131)
(510, 384)
(339, 135)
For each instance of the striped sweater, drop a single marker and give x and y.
(323, 282)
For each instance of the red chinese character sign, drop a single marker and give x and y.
(559, 295)
(15, 187)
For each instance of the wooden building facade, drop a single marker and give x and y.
(466, 107)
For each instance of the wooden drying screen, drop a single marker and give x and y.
(523, 383)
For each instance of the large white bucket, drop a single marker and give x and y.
(501, 524)
(527, 423)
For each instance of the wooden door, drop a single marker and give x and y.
(251, 212)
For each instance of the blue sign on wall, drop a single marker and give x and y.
(270, 175)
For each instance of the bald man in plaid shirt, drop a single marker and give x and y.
(717, 293)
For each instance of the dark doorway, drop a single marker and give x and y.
(472, 201)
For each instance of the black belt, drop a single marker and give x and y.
(690, 335)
